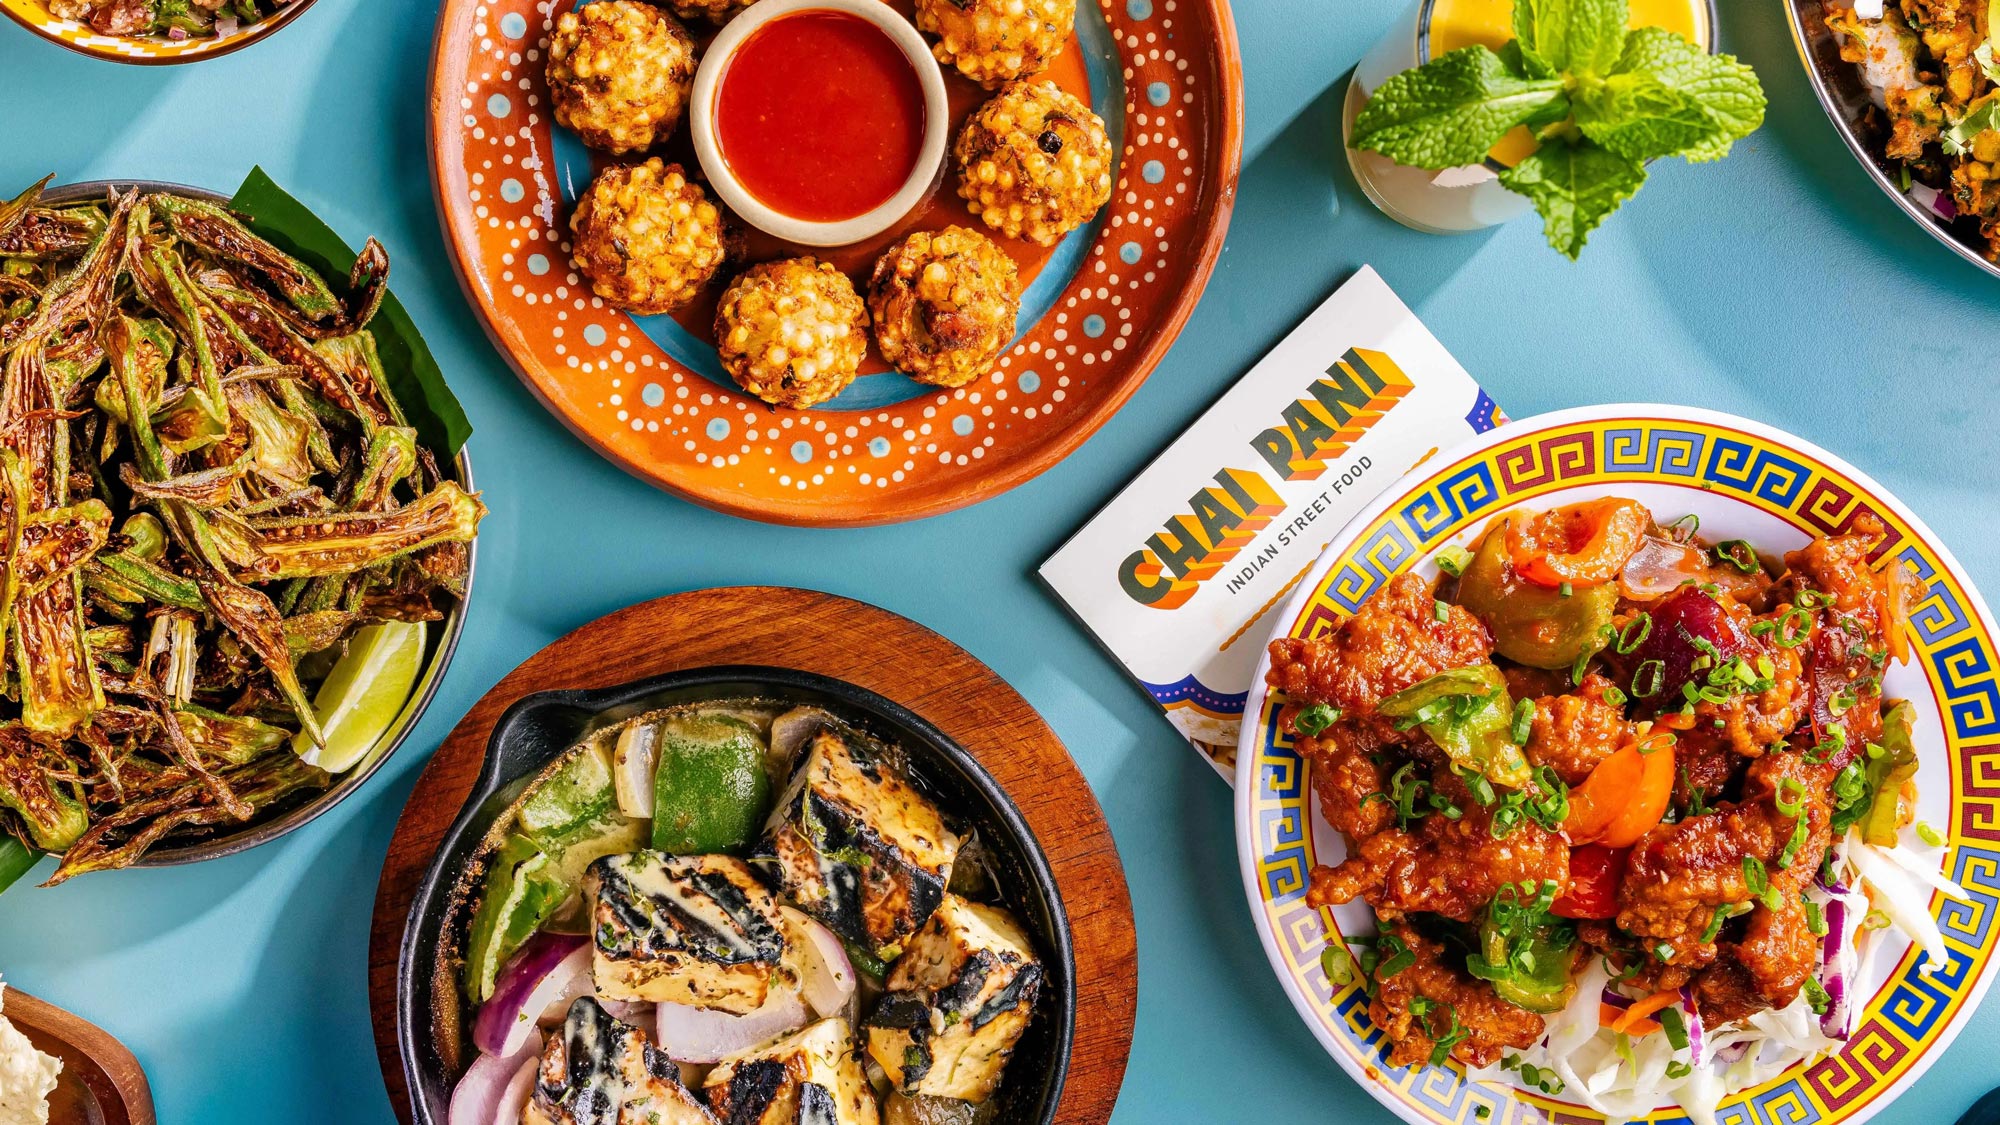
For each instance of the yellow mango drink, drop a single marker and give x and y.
(1470, 198)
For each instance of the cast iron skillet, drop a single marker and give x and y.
(433, 1034)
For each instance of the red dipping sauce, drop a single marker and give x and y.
(820, 116)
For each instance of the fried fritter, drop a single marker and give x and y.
(944, 305)
(620, 73)
(1034, 162)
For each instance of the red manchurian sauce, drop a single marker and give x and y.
(820, 116)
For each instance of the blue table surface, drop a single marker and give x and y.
(1778, 284)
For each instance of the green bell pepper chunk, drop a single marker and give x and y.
(1533, 625)
(1468, 712)
(1887, 775)
(522, 890)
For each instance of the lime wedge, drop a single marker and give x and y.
(364, 693)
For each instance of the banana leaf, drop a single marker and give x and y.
(411, 371)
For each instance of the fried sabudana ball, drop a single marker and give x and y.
(714, 11)
(994, 42)
(620, 73)
(1034, 162)
(793, 333)
(944, 305)
(647, 237)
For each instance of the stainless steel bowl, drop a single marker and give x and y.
(1847, 101)
(441, 643)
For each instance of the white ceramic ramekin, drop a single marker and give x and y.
(937, 123)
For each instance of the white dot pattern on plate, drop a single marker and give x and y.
(680, 425)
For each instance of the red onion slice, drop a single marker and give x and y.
(826, 974)
(514, 1099)
(1659, 567)
(1693, 1021)
(703, 1036)
(1833, 1022)
(636, 756)
(481, 1096)
(542, 969)
(1615, 999)
(791, 730)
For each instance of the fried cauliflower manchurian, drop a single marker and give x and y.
(1430, 1002)
(1034, 162)
(994, 42)
(647, 237)
(793, 333)
(620, 73)
(944, 305)
(1661, 807)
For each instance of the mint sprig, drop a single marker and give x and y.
(1601, 100)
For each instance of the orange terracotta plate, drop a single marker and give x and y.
(1099, 310)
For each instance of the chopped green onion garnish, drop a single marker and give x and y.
(1676, 1027)
(1524, 722)
(1454, 560)
(1315, 719)
(1337, 964)
(1649, 678)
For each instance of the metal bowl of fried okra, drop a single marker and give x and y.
(234, 573)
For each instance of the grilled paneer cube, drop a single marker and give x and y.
(694, 930)
(958, 1001)
(599, 1071)
(856, 847)
(811, 1078)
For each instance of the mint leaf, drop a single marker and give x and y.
(1574, 36)
(1575, 184)
(1637, 116)
(1452, 110)
(1719, 91)
(1525, 62)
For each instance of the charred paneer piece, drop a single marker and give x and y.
(694, 930)
(958, 1001)
(811, 1078)
(600, 1071)
(855, 846)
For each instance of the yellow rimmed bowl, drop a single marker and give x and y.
(1744, 480)
(152, 50)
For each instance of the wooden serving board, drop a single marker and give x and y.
(869, 647)
(101, 1083)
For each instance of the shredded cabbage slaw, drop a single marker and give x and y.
(1623, 1077)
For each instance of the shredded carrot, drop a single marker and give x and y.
(1633, 1020)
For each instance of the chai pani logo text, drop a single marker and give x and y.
(1225, 517)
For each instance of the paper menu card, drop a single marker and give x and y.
(1183, 574)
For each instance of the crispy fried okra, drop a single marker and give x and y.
(620, 73)
(647, 237)
(944, 305)
(793, 333)
(1034, 162)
